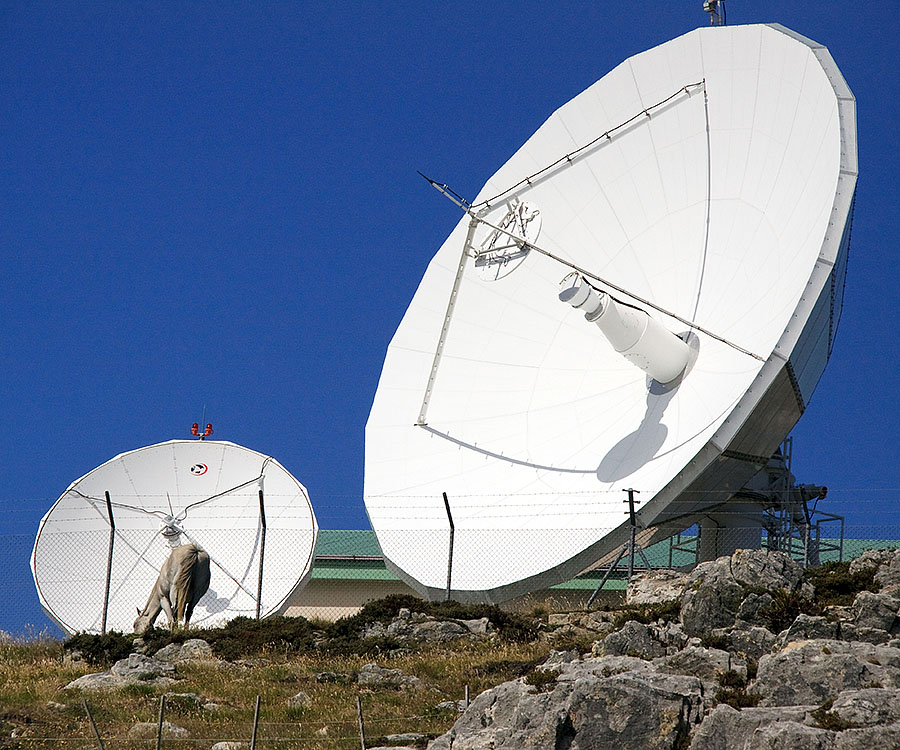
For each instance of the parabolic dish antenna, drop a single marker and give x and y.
(246, 510)
(644, 296)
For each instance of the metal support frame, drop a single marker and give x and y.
(262, 552)
(631, 547)
(450, 552)
(109, 558)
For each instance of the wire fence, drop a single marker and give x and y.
(348, 569)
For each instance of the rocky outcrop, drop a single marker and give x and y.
(417, 627)
(599, 699)
(808, 672)
(194, 649)
(827, 681)
(136, 668)
(739, 590)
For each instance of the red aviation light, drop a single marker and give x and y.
(195, 429)
(208, 431)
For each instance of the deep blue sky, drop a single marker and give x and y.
(216, 204)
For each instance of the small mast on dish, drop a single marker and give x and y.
(639, 338)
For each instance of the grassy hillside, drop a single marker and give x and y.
(275, 659)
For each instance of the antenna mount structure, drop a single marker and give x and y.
(716, 10)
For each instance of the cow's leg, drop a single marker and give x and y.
(167, 608)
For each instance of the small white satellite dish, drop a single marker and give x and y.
(100, 547)
(694, 204)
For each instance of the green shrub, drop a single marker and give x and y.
(836, 585)
(543, 679)
(647, 613)
(101, 650)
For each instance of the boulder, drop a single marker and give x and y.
(134, 668)
(481, 626)
(757, 568)
(808, 627)
(299, 701)
(817, 671)
(141, 668)
(639, 708)
(726, 728)
(741, 587)
(867, 707)
(868, 738)
(230, 745)
(886, 563)
(655, 587)
(791, 734)
(97, 682)
(421, 628)
(633, 639)
(750, 642)
(708, 664)
(148, 730)
(712, 598)
(876, 611)
(195, 649)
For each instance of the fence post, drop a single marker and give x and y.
(255, 719)
(93, 725)
(109, 557)
(633, 520)
(450, 553)
(262, 553)
(362, 728)
(162, 714)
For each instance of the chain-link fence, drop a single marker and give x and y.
(349, 569)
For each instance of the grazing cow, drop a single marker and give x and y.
(183, 580)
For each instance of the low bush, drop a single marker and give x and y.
(836, 585)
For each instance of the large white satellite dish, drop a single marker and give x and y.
(695, 203)
(246, 510)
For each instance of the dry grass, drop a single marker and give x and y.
(33, 674)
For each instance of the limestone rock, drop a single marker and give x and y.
(869, 738)
(708, 664)
(655, 587)
(230, 745)
(633, 639)
(148, 730)
(720, 592)
(371, 675)
(868, 707)
(756, 568)
(750, 642)
(638, 708)
(481, 626)
(711, 600)
(726, 728)
(876, 611)
(421, 628)
(141, 668)
(96, 682)
(886, 563)
(816, 671)
(808, 627)
(791, 734)
(299, 701)
(195, 649)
